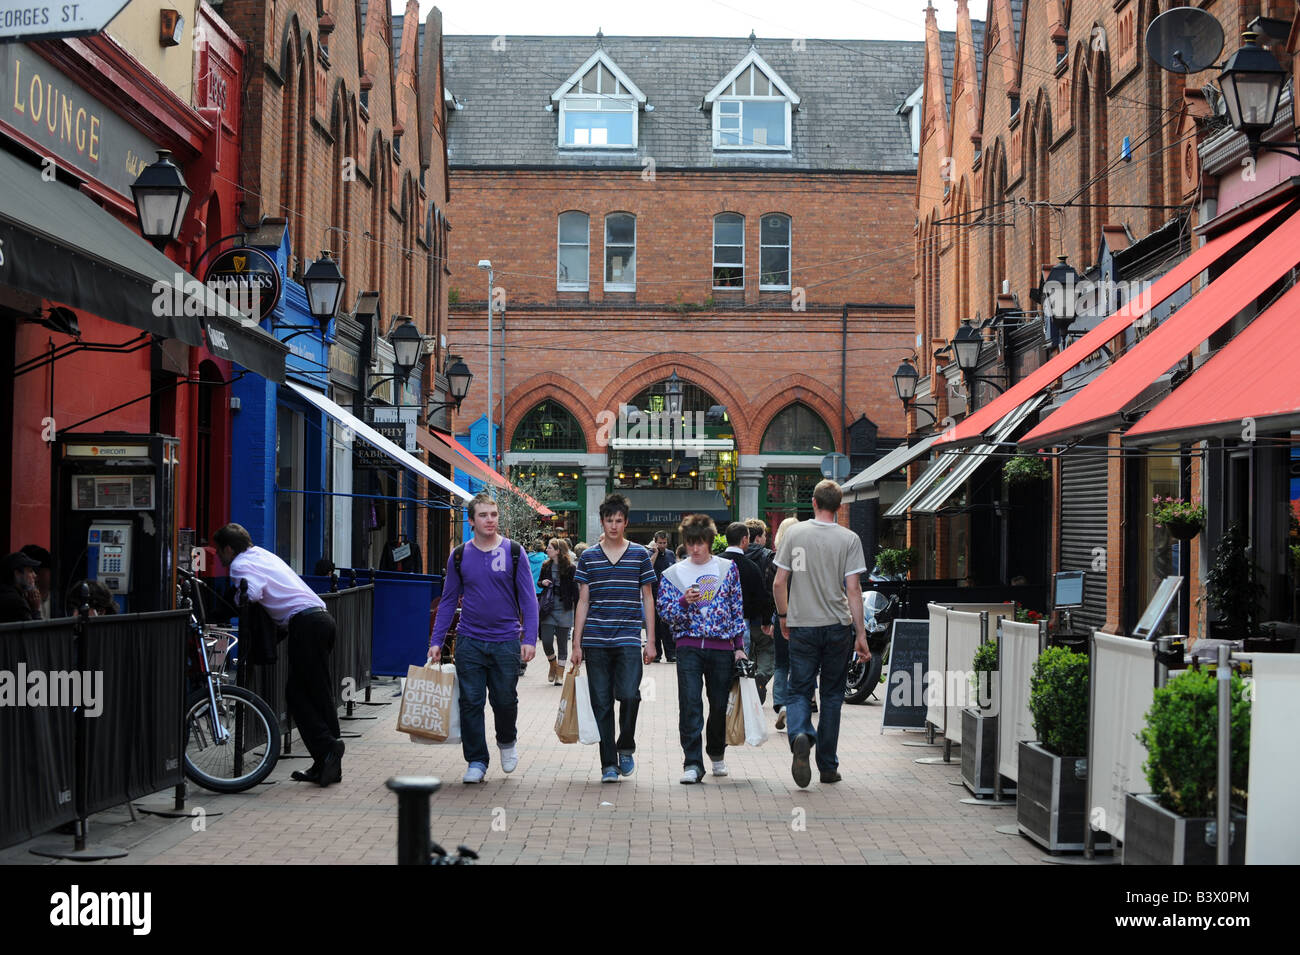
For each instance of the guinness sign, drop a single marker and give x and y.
(246, 278)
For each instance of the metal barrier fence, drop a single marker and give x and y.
(100, 717)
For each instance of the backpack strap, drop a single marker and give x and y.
(458, 556)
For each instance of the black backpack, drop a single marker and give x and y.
(458, 557)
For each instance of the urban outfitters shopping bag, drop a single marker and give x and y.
(430, 708)
(752, 708)
(588, 731)
(566, 720)
(735, 717)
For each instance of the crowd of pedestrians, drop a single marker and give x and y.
(793, 611)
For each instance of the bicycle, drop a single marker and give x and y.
(232, 736)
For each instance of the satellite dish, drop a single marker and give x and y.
(1185, 40)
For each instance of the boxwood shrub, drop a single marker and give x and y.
(1058, 700)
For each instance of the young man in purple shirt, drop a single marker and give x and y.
(494, 583)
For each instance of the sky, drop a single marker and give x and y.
(811, 19)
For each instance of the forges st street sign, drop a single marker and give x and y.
(36, 20)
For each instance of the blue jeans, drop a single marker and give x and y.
(781, 671)
(614, 673)
(813, 650)
(487, 670)
(711, 671)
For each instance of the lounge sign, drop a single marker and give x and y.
(41, 102)
(246, 278)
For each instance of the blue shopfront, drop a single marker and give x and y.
(280, 455)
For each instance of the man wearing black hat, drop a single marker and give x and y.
(19, 598)
(44, 576)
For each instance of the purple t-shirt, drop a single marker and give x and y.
(489, 595)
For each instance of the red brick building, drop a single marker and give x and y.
(735, 212)
(1049, 131)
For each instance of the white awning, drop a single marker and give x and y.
(891, 462)
(363, 430)
(664, 444)
(934, 472)
(974, 457)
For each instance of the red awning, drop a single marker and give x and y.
(1250, 383)
(458, 456)
(974, 427)
(1100, 405)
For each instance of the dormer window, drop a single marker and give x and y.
(598, 106)
(751, 108)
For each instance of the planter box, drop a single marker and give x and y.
(1153, 835)
(1051, 800)
(979, 754)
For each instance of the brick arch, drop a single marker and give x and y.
(779, 395)
(549, 386)
(291, 48)
(702, 372)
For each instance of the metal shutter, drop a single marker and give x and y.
(1084, 505)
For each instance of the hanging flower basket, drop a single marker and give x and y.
(1025, 469)
(1182, 519)
(1183, 530)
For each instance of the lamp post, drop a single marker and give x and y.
(905, 379)
(1252, 82)
(673, 401)
(1060, 296)
(486, 265)
(161, 198)
(966, 346)
(458, 378)
(323, 283)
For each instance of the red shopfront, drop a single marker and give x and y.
(79, 323)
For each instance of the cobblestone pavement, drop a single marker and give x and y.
(888, 809)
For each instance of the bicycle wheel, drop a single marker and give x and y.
(251, 747)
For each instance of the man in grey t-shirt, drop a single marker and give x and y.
(819, 599)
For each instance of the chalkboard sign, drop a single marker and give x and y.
(909, 659)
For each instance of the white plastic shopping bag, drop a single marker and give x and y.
(588, 731)
(755, 725)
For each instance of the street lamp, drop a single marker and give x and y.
(323, 283)
(905, 379)
(673, 400)
(458, 379)
(161, 198)
(966, 346)
(407, 344)
(486, 265)
(1252, 82)
(1060, 296)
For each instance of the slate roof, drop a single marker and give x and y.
(849, 89)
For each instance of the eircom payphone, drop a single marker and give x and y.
(115, 517)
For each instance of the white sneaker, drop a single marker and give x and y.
(509, 758)
(719, 768)
(475, 774)
(692, 775)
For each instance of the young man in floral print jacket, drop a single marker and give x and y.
(700, 598)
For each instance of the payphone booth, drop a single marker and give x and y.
(114, 516)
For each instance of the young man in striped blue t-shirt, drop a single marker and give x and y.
(615, 600)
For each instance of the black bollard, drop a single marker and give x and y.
(413, 792)
(334, 581)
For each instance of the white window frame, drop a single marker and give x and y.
(743, 146)
(789, 254)
(560, 285)
(728, 265)
(604, 103)
(719, 95)
(604, 258)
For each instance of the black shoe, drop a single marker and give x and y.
(311, 775)
(331, 767)
(672, 658)
(832, 777)
(800, 768)
(659, 659)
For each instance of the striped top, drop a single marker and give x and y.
(615, 615)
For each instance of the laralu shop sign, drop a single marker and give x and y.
(247, 279)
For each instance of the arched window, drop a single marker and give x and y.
(774, 251)
(728, 250)
(548, 427)
(797, 430)
(620, 252)
(573, 252)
